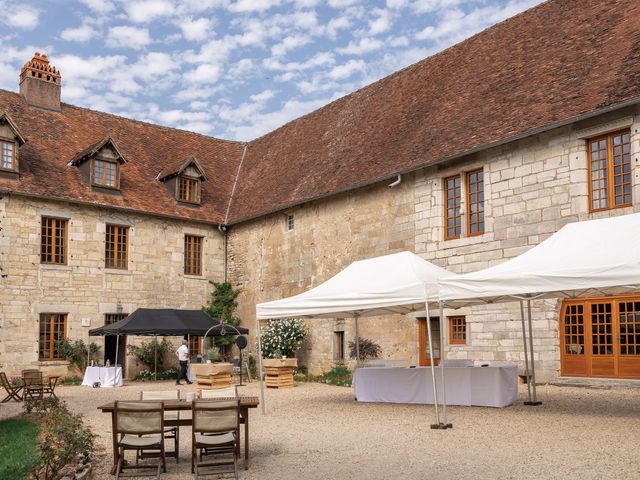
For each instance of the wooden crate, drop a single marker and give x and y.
(278, 377)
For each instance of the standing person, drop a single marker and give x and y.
(183, 357)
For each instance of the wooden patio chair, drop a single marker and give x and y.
(216, 426)
(171, 428)
(33, 385)
(229, 392)
(50, 387)
(139, 426)
(13, 393)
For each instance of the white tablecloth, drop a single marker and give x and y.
(190, 375)
(481, 386)
(107, 376)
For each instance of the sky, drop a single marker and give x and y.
(232, 69)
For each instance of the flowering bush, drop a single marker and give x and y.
(148, 376)
(76, 352)
(282, 338)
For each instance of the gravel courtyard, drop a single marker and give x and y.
(316, 431)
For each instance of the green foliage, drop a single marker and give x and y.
(76, 352)
(146, 352)
(282, 338)
(17, 447)
(368, 349)
(148, 376)
(72, 380)
(253, 369)
(222, 306)
(213, 353)
(62, 440)
(338, 375)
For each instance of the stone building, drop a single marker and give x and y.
(467, 158)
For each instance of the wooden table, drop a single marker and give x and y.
(172, 405)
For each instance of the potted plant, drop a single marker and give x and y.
(279, 343)
(213, 374)
(213, 354)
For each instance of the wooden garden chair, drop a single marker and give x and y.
(171, 428)
(215, 432)
(33, 385)
(139, 426)
(13, 393)
(229, 392)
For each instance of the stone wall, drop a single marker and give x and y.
(532, 188)
(83, 288)
(267, 262)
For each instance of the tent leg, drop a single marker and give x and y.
(436, 425)
(526, 354)
(155, 357)
(260, 375)
(357, 343)
(116, 362)
(444, 389)
(533, 367)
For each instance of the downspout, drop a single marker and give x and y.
(396, 182)
(223, 230)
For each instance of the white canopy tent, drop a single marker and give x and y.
(399, 283)
(595, 257)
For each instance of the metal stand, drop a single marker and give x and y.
(357, 342)
(444, 388)
(438, 425)
(535, 401)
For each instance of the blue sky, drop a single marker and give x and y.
(233, 69)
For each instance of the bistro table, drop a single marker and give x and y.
(172, 405)
(105, 376)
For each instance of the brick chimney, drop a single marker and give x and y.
(40, 83)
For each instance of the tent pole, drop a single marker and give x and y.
(155, 357)
(436, 425)
(116, 362)
(357, 342)
(259, 337)
(444, 389)
(533, 367)
(526, 353)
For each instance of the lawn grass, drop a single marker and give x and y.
(17, 447)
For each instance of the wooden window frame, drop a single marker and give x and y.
(610, 171)
(51, 320)
(193, 259)
(117, 244)
(179, 190)
(478, 203)
(290, 222)
(458, 330)
(195, 345)
(14, 155)
(49, 247)
(104, 172)
(110, 318)
(446, 206)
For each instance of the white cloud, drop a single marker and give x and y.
(380, 24)
(196, 30)
(342, 3)
(84, 33)
(203, 74)
(336, 24)
(289, 43)
(99, 6)
(397, 4)
(128, 37)
(365, 45)
(427, 6)
(253, 5)
(263, 96)
(318, 60)
(21, 17)
(341, 72)
(148, 10)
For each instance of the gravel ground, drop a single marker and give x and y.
(319, 431)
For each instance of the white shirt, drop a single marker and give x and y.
(183, 353)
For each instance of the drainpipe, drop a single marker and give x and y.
(396, 182)
(223, 230)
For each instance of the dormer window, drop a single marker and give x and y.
(106, 173)
(8, 156)
(100, 165)
(189, 189)
(184, 180)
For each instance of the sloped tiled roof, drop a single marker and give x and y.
(177, 167)
(558, 61)
(53, 139)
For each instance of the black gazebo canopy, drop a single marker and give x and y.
(167, 322)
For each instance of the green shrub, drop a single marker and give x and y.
(148, 376)
(18, 438)
(146, 353)
(338, 375)
(368, 349)
(72, 380)
(213, 353)
(76, 352)
(253, 369)
(282, 338)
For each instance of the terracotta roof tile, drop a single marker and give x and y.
(53, 139)
(557, 61)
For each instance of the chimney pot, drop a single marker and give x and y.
(40, 83)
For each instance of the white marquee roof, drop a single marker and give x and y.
(397, 283)
(593, 257)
